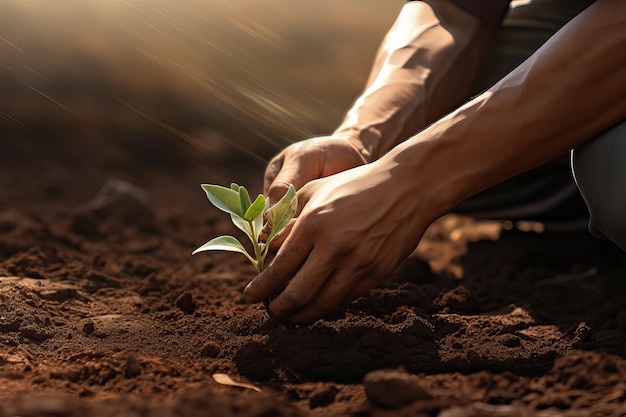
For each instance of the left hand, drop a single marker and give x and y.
(352, 230)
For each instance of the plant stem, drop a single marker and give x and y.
(258, 252)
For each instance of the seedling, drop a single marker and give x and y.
(260, 222)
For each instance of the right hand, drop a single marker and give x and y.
(308, 160)
(351, 230)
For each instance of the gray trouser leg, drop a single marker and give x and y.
(599, 168)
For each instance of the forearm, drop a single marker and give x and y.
(424, 68)
(570, 90)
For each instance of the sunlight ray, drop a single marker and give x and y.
(41, 93)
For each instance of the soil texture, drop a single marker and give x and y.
(104, 312)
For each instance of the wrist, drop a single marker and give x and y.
(355, 139)
(442, 164)
(425, 176)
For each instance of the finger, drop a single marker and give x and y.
(291, 172)
(272, 170)
(326, 299)
(286, 263)
(304, 285)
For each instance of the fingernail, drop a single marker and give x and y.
(247, 296)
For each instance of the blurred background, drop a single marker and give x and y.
(113, 84)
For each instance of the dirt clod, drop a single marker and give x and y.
(185, 303)
(393, 388)
(511, 341)
(132, 367)
(323, 397)
(89, 327)
(210, 350)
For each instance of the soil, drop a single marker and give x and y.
(103, 310)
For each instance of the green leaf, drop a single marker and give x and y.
(225, 199)
(257, 223)
(255, 209)
(227, 243)
(234, 186)
(281, 213)
(244, 199)
(242, 225)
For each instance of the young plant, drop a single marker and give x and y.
(260, 222)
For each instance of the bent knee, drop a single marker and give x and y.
(600, 174)
(609, 223)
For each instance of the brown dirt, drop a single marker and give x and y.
(103, 311)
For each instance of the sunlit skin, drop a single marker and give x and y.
(357, 221)
(424, 68)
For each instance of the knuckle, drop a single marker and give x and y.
(307, 227)
(273, 167)
(279, 184)
(277, 189)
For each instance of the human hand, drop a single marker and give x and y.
(352, 230)
(308, 160)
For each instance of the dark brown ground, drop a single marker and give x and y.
(103, 310)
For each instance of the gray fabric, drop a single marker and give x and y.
(527, 26)
(599, 167)
(549, 188)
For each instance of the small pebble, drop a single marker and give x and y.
(89, 328)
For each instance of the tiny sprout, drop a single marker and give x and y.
(249, 217)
